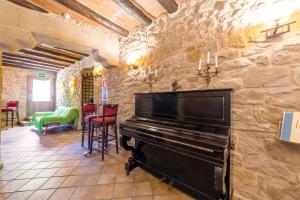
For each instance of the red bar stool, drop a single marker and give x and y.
(102, 124)
(89, 112)
(11, 107)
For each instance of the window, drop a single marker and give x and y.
(41, 90)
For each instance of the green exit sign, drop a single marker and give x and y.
(42, 75)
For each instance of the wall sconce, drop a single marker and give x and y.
(150, 78)
(73, 82)
(62, 85)
(209, 70)
(132, 67)
(278, 30)
(98, 71)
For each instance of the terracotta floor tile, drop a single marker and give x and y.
(172, 197)
(30, 173)
(94, 170)
(103, 192)
(40, 158)
(41, 194)
(82, 193)
(72, 163)
(47, 173)
(53, 182)
(4, 195)
(58, 159)
(42, 165)
(107, 178)
(142, 189)
(123, 190)
(12, 166)
(79, 171)
(110, 169)
(14, 185)
(2, 183)
(62, 193)
(160, 188)
(123, 178)
(57, 164)
(12, 175)
(33, 184)
(28, 165)
(20, 195)
(144, 198)
(89, 180)
(64, 171)
(71, 181)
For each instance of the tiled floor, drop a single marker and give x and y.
(53, 167)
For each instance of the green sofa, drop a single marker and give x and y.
(62, 116)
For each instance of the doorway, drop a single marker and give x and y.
(40, 95)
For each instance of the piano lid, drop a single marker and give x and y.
(194, 107)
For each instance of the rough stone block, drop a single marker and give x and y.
(236, 63)
(249, 96)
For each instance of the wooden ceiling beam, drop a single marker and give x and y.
(133, 10)
(47, 55)
(89, 13)
(75, 52)
(10, 64)
(29, 5)
(171, 6)
(30, 65)
(10, 58)
(58, 52)
(36, 58)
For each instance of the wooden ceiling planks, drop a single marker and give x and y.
(58, 9)
(113, 12)
(150, 6)
(43, 57)
(48, 55)
(133, 10)
(29, 5)
(58, 52)
(12, 58)
(28, 66)
(89, 13)
(118, 16)
(36, 58)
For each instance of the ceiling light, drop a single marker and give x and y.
(66, 16)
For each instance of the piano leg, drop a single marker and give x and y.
(136, 153)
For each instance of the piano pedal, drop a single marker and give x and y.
(170, 185)
(162, 179)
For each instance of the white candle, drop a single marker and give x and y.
(144, 73)
(216, 61)
(155, 72)
(208, 57)
(149, 69)
(200, 64)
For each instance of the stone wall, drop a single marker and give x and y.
(67, 96)
(264, 75)
(15, 86)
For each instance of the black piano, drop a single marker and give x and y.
(184, 139)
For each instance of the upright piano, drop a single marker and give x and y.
(184, 139)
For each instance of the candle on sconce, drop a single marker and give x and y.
(216, 61)
(200, 64)
(155, 72)
(144, 73)
(149, 69)
(208, 57)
